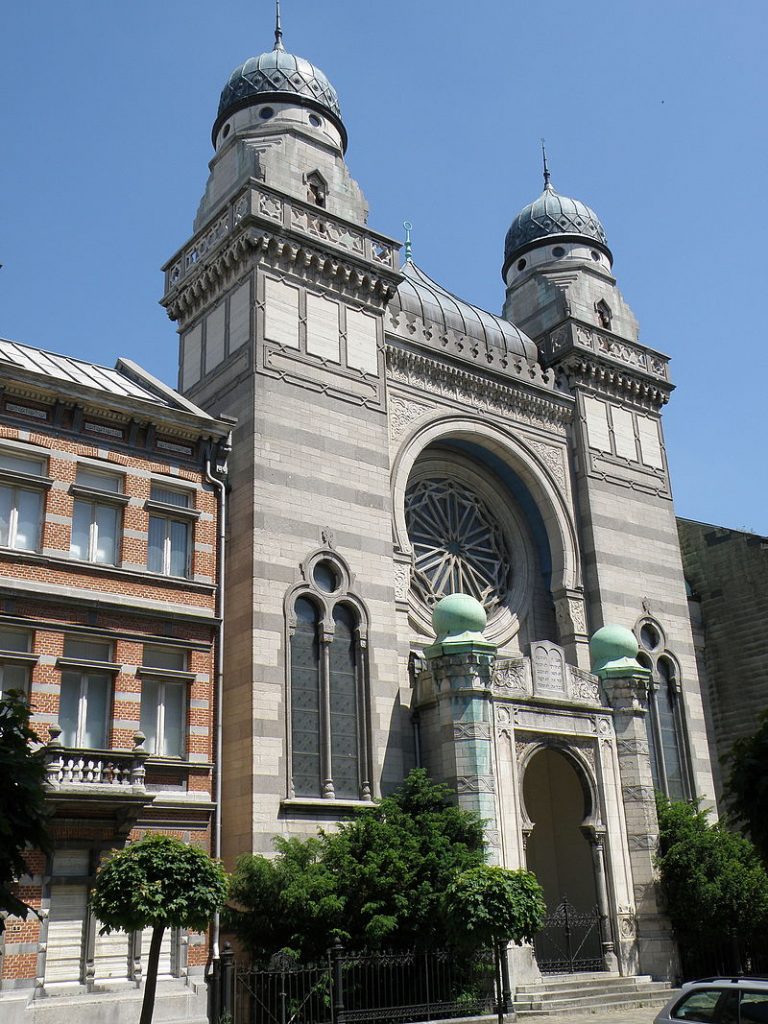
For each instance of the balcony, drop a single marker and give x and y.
(101, 784)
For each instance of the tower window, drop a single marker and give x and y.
(521, 264)
(226, 130)
(315, 121)
(604, 314)
(317, 189)
(558, 252)
(265, 113)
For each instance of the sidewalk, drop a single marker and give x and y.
(638, 1015)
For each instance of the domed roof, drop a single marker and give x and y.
(553, 216)
(279, 76)
(420, 295)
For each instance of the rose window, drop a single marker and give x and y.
(458, 547)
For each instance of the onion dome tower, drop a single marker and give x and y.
(283, 80)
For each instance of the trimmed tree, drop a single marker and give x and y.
(376, 882)
(157, 882)
(491, 906)
(23, 815)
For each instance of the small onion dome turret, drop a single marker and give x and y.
(279, 77)
(553, 218)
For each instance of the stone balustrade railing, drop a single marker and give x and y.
(77, 767)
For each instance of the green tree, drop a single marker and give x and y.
(377, 881)
(713, 879)
(23, 814)
(488, 906)
(746, 789)
(157, 882)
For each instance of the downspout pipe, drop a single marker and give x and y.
(212, 468)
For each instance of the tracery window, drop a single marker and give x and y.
(665, 721)
(327, 685)
(458, 546)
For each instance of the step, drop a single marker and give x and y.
(620, 985)
(590, 990)
(175, 1003)
(642, 1002)
(602, 999)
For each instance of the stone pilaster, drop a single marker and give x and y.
(453, 700)
(627, 689)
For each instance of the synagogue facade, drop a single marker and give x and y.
(396, 445)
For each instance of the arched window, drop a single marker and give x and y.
(665, 721)
(327, 685)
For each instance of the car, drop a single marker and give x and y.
(734, 1000)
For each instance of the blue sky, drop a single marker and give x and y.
(654, 114)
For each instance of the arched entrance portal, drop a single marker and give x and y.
(560, 852)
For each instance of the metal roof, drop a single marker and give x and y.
(75, 371)
(420, 295)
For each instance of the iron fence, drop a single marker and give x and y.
(358, 988)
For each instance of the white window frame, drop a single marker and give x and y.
(169, 514)
(12, 656)
(17, 480)
(94, 498)
(163, 677)
(84, 668)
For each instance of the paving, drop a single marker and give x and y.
(635, 1015)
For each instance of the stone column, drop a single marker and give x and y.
(596, 837)
(453, 698)
(614, 651)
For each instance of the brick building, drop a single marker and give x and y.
(110, 491)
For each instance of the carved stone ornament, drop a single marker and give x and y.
(402, 580)
(552, 458)
(328, 537)
(467, 784)
(584, 686)
(457, 385)
(510, 674)
(627, 924)
(471, 731)
(548, 667)
(402, 412)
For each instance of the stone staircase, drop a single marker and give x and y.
(175, 1003)
(589, 993)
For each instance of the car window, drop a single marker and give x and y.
(699, 1006)
(754, 1008)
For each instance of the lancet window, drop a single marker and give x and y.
(666, 718)
(328, 699)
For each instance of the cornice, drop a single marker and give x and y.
(262, 222)
(608, 363)
(516, 400)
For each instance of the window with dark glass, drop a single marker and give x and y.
(327, 704)
(665, 721)
(86, 694)
(169, 531)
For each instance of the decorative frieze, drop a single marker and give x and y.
(606, 346)
(457, 385)
(552, 458)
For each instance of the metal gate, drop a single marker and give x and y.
(570, 941)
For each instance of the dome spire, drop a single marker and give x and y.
(408, 247)
(278, 27)
(547, 175)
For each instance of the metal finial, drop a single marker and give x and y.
(547, 175)
(408, 247)
(278, 27)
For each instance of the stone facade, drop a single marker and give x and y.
(108, 601)
(395, 444)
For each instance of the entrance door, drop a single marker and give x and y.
(557, 801)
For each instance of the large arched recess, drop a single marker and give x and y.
(520, 468)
